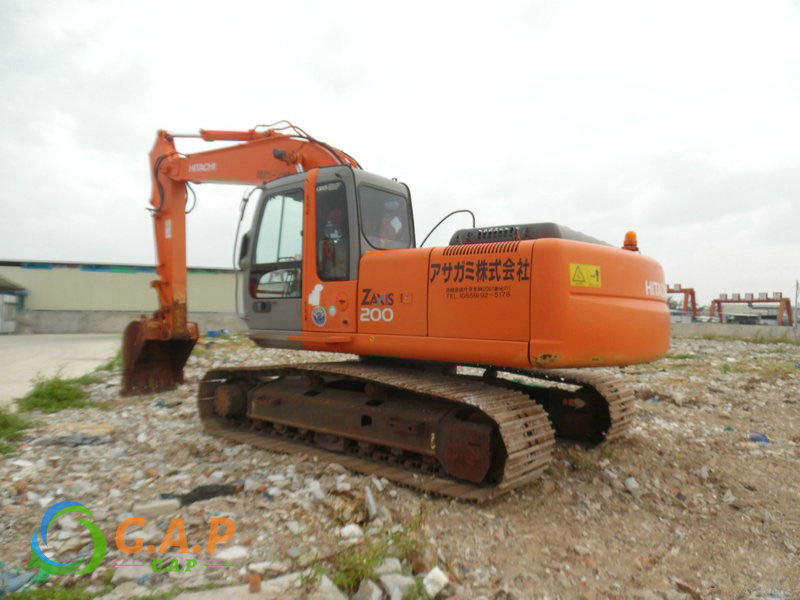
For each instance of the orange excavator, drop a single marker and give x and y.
(471, 356)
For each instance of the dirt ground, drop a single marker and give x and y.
(685, 506)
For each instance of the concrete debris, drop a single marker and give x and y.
(294, 527)
(396, 585)
(127, 590)
(68, 522)
(435, 581)
(687, 589)
(315, 488)
(388, 566)
(286, 587)
(632, 485)
(351, 531)
(232, 553)
(368, 590)
(131, 573)
(372, 506)
(270, 568)
(156, 508)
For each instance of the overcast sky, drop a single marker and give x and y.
(679, 120)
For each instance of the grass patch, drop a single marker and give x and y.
(113, 364)
(416, 592)
(11, 427)
(55, 593)
(681, 356)
(56, 393)
(353, 565)
(309, 578)
(775, 370)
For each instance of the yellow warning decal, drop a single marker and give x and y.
(585, 275)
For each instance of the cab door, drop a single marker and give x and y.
(273, 285)
(331, 252)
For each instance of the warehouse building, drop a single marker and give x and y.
(83, 298)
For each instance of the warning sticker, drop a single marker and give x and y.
(585, 275)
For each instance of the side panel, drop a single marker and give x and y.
(393, 292)
(458, 350)
(594, 305)
(481, 291)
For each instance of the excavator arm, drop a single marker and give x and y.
(155, 349)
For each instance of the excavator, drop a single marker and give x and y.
(471, 358)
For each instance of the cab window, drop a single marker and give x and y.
(384, 218)
(333, 232)
(276, 270)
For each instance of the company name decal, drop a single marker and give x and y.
(655, 288)
(205, 166)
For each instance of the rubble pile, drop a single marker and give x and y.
(699, 500)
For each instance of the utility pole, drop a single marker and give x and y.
(796, 298)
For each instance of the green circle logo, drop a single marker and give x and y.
(40, 560)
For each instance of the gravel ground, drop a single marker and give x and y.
(686, 506)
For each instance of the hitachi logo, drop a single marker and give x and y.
(207, 166)
(655, 288)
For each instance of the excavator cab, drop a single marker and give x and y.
(302, 252)
(308, 234)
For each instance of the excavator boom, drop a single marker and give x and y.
(155, 349)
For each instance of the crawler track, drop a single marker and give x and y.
(615, 399)
(523, 427)
(515, 409)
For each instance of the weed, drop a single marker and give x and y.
(309, 578)
(775, 370)
(606, 451)
(113, 364)
(416, 592)
(356, 565)
(56, 393)
(55, 593)
(11, 427)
